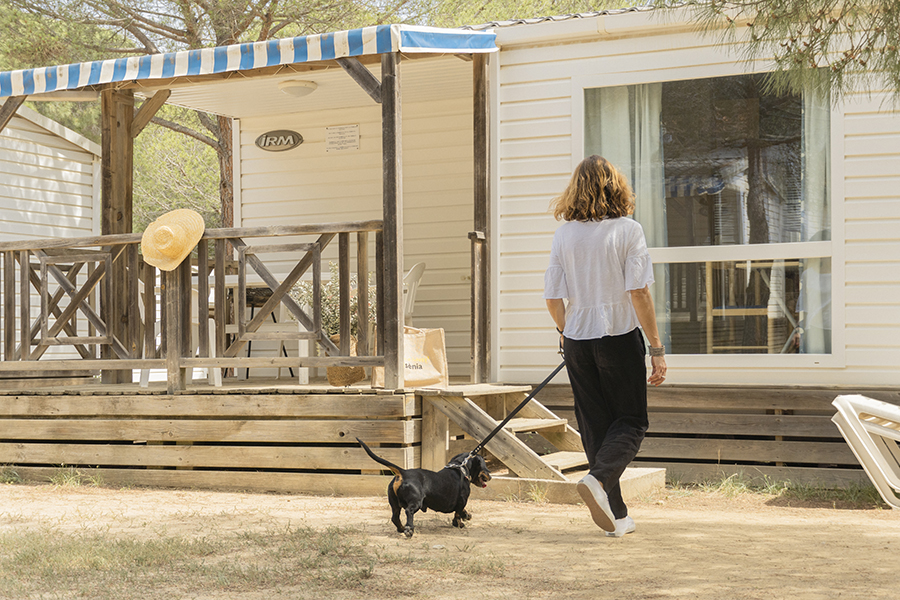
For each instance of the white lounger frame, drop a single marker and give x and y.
(872, 429)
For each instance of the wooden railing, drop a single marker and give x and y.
(100, 299)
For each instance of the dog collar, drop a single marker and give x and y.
(463, 468)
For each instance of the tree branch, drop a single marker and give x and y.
(249, 15)
(149, 46)
(119, 9)
(211, 124)
(188, 132)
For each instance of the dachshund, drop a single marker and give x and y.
(445, 491)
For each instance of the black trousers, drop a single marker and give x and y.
(609, 383)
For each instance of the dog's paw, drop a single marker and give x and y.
(467, 516)
(457, 522)
(408, 531)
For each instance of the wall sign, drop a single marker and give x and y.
(279, 140)
(340, 138)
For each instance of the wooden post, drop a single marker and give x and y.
(435, 437)
(344, 291)
(176, 323)
(133, 298)
(184, 317)
(478, 350)
(25, 305)
(117, 153)
(203, 298)
(9, 305)
(362, 291)
(379, 298)
(392, 172)
(149, 300)
(481, 238)
(220, 311)
(92, 304)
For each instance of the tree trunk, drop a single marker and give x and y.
(757, 292)
(226, 171)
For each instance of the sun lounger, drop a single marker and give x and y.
(872, 429)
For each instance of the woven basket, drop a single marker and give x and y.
(344, 376)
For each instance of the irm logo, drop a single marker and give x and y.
(279, 140)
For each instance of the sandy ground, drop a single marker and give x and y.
(697, 545)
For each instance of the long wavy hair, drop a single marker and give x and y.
(596, 191)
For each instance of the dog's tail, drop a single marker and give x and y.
(394, 468)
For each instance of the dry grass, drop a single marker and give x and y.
(721, 540)
(100, 565)
(322, 564)
(789, 493)
(113, 561)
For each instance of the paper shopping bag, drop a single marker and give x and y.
(424, 360)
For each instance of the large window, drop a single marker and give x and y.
(732, 181)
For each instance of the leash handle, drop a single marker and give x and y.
(515, 411)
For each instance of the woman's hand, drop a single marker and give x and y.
(557, 309)
(658, 375)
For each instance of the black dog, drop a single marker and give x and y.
(445, 491)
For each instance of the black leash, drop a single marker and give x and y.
(463, 466)
(515, 411)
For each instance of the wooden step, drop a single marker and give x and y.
(505, 446)
(522, 425)
(565, 460)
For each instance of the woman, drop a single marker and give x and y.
(599, 262)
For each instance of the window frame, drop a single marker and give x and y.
(833, 249)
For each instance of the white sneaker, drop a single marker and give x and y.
(623, 526)
(591, 491)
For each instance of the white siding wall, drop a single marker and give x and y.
(308, 185)
(49, 187)
(46, 181)
(872, 239)
(539, 140)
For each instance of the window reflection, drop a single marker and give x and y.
(749, 307)
(724, 162)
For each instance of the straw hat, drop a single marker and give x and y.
(171, 237)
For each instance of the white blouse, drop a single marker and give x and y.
(594, 264)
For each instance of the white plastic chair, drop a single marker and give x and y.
(213, 375)
(410, 286)
(872, 430)
(281, 321)
(283, 324)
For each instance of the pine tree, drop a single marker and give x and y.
(836, 44)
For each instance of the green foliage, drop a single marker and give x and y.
(331, 311)
(72, 477)
(815, 44)
(456, 13)
(82, 117)
(174, 171)
(137, 27)
(27, 40)
(8, 474)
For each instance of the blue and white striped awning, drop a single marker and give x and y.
(379, 39)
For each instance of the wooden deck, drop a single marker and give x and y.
(243, 435)
(268, 435)
(764, 433)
